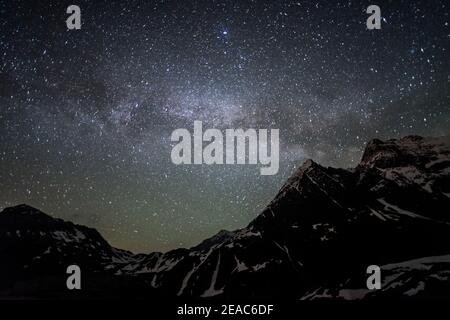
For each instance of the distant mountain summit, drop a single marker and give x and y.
(313, 241)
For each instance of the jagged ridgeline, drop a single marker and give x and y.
(313, 241)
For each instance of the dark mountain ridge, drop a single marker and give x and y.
(314, 240)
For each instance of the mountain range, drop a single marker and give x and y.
(314, 240)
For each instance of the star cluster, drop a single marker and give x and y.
(86, 115)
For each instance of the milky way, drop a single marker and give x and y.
(86, 115)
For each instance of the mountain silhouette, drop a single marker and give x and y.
(315, 240)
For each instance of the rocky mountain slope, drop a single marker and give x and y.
(313, 241)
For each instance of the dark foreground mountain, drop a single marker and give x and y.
(315, 240)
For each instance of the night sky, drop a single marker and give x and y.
(86, 115)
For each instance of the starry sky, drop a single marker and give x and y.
(86, 115)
